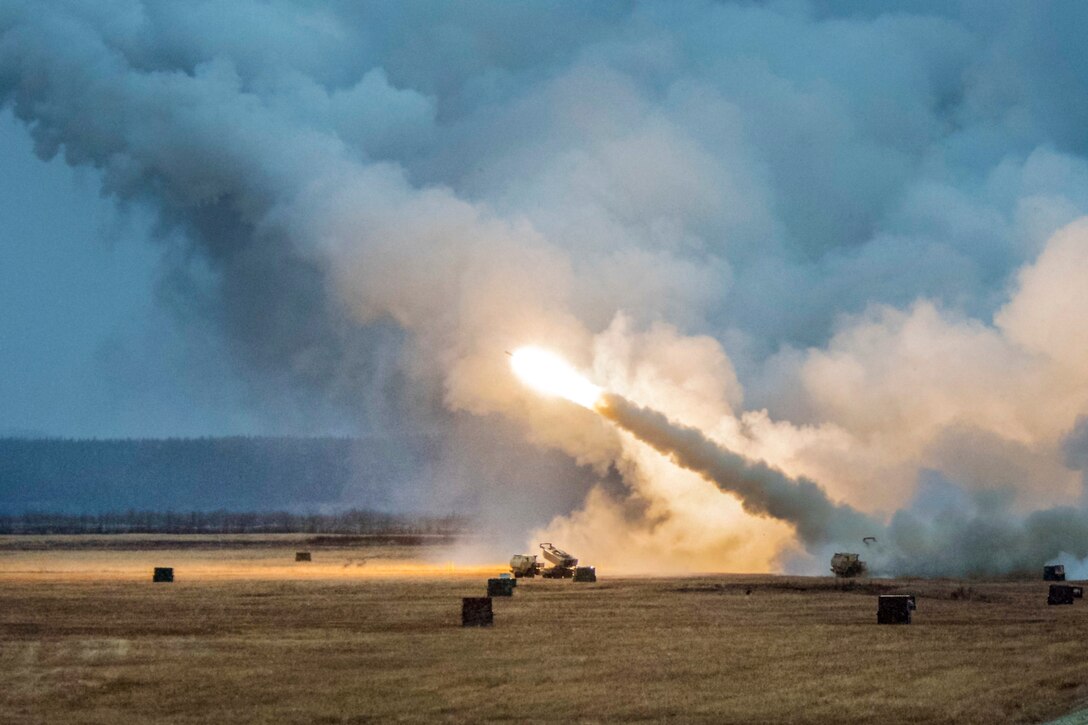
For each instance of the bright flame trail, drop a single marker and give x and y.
(550, 374)
(762, 490)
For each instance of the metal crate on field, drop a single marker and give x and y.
(1054, 573)
(500, 587)
(894, 608)
(476, 612)
(1061, 594)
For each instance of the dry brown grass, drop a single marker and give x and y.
(86, 636)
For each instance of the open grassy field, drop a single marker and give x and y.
(371, 633)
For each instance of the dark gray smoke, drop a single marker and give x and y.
(981, 543)
(848, 228)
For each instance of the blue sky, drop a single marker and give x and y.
(850, 239)
(85, 350)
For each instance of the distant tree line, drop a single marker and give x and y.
(354, 521)
(207, 474)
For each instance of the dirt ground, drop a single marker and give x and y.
(372, 634)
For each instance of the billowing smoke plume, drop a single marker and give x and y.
(839, 239)
(952, 538)
(761, 489)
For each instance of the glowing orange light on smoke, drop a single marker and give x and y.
(550, 374)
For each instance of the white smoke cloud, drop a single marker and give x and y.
(837, 239)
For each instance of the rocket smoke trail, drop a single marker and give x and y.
(763, 490)
(955, 542)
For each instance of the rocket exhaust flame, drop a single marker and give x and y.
(762, 490)
(550, 374)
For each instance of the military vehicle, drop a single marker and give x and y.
(563, 565)
(525, 565)
(846, 566)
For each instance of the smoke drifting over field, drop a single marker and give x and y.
(845, 243)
